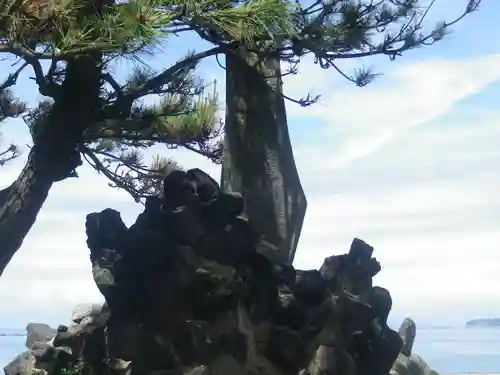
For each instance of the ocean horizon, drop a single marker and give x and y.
(448, 350)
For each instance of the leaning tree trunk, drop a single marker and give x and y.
(258, 155)
(20, 204)
(54, 155)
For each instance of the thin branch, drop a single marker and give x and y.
(12, 78)
(25, 52)
(123, 180)
(45, 86)
(114, 84)
(124, 102)
(9, 154)
(136, 135)
(95, 163)
(165, 76)
(303, 102)
(385, 47)
(118, 159)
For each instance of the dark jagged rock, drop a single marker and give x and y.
(353, 271)
(381, 303)
(104, 231)
(62, 328)
(63, 339)
(188, 292)
(310, 287)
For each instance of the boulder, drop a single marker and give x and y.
(39, 332)
(84, 310)
(407, 331)
(88, 320)
(23, 364)
(413, 365)
(407, 363)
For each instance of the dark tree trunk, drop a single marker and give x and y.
(258, 155)
(54, 155)
(20, 204)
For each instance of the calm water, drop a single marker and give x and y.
(446, 350)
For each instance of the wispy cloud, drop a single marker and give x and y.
(410, 95)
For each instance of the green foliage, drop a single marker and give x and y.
(65, 28)
(185, 114)
(10, 106)
(332, 30)
(76, 368)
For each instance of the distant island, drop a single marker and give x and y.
(11, 334)
(483, 323)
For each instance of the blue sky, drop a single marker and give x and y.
(409, 164)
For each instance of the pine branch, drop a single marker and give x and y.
(193, 134)
(10, 106)
(11, 80)
(9, 154)
(185, 117)
(347, 30)
(70, 28)
(127, 171)
(152, 85)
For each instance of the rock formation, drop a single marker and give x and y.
(187, 293)
(38, 333)
(406, 362)
(407, 331)
(38, 342)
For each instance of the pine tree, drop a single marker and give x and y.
(258, 155)
(88, 114)
(9, 107)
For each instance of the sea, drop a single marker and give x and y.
(446, 350)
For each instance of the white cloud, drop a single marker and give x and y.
(426, 198)
(411, 95)
(429, 206)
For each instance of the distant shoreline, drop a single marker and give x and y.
(15, 332)
(483, 323)
(12, 334)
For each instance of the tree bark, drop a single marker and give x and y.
(21, 203)
(258, 155)
(54, 155)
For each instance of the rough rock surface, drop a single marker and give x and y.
(85, 310)
(407, 331)
(406, 362)
(23, 364)
(38, 333)
(187, 293)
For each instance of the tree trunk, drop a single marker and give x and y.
(258, 155)
(21, 203)
(54, 155)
